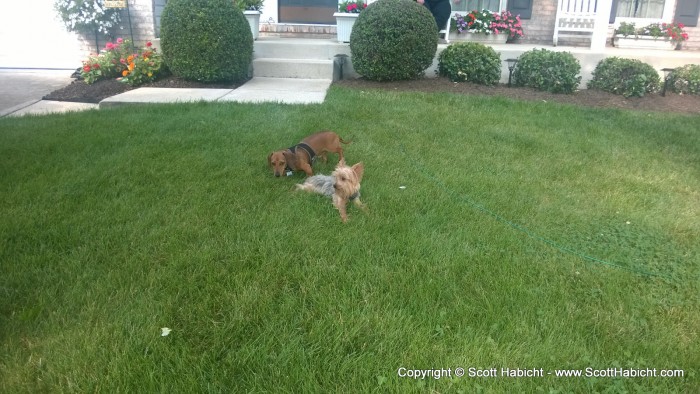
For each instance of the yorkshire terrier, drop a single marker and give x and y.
(343, 185)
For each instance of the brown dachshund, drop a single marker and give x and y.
(300, 157)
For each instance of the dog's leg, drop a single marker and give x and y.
(360, 205)
(306, 167)
(340, 154)
(340, 203)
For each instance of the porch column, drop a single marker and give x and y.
(602, 17)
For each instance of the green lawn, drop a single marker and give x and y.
(527, 235)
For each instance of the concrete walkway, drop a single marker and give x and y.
(22, 91)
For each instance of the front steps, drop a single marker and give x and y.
(276, 57)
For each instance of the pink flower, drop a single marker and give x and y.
(120, 40)
(109, 46)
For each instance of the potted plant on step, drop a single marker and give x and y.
(251, 11)
(486, 27)
(667, 36)
(347, 14)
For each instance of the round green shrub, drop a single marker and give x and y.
(555, 72)
(206, 40)
(628, 77)
(686, 79)
(393, 40)
(470, 62)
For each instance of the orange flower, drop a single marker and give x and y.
(130, 59)
(131, 66)
(125, 73)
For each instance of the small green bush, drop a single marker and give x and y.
(206, 41)
(393, 40)
(470, 62)
(628, 77)
(555, 72)
(686, 79)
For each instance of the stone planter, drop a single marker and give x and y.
(644, 42)
(253, 18)
(479, 37)
(344, 23)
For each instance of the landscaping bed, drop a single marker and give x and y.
(672, 102)
(79, 91)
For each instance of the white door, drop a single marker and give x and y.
(32, 36)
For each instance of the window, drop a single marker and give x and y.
(648, 9)
(469, 5)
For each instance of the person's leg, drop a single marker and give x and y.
(441, 11)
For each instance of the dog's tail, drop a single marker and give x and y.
(345, 142)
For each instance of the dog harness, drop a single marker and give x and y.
(306, 148)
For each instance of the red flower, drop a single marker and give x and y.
(96, 66)
(149, 44)
(86, 68)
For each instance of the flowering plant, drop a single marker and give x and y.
(474, 22)
(143, 66)
(119, 60)
(674, 31)
(352, 7)
(87, 16)
(488, 22)
(505, 22)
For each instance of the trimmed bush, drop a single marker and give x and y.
(470, 62)
(628, 77)
(393, 40)
(686, 79)
(206, 40)
(555, 72)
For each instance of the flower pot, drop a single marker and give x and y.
(344, 23)
(644, 42)
(479, 37)
(253, 18)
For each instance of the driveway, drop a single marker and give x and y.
(21, 87)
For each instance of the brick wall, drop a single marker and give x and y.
(142, 25)
(539, 28)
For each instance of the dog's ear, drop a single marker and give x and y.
(341, 163)
(269, 160)
(291, 159)
(359, 170)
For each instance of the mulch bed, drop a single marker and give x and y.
(79, 91)
(672, 102)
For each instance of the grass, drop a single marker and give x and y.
(119, 222)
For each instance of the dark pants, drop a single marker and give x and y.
(441, 11)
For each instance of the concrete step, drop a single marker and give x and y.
(293, 68)
(298, 48)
